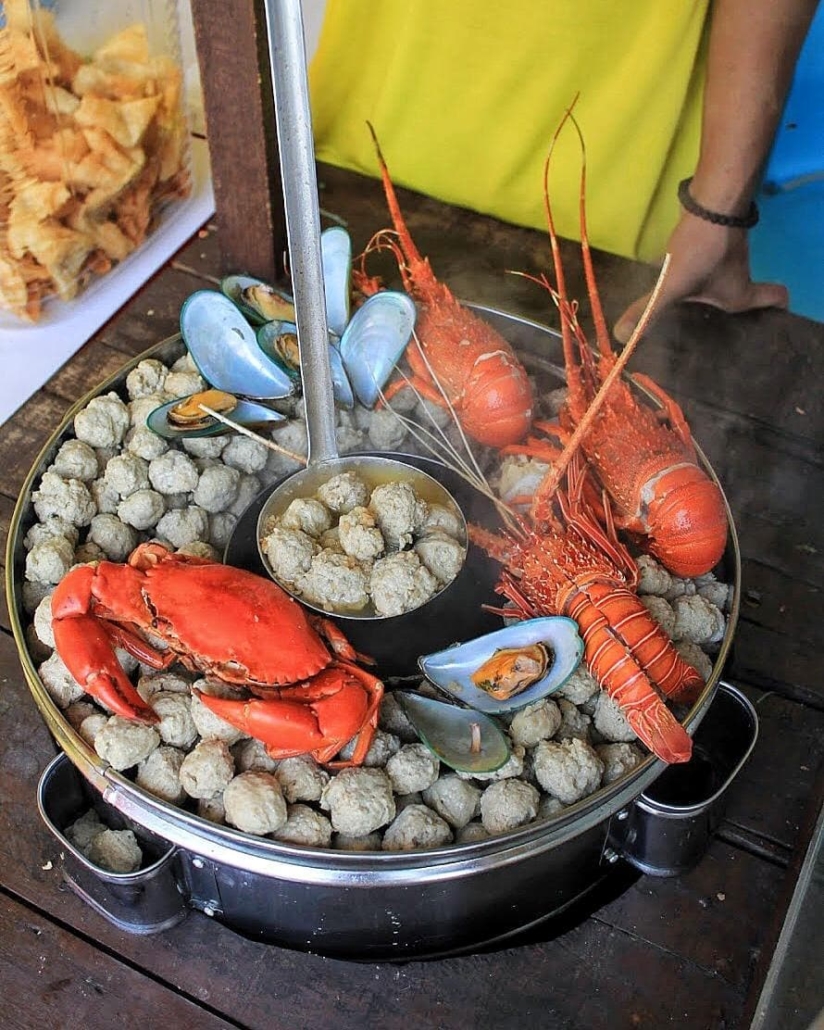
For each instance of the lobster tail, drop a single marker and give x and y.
(687, 521)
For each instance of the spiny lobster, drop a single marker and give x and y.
(476, 369)
(644, 458)
(561, 561)
(229, 625)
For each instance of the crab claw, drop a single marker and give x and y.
(317, 717)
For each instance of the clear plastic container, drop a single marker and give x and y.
(94, 140)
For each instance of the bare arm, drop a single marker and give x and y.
(753, 49)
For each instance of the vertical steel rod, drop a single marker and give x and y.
(287, 56)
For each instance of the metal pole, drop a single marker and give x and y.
(287, 57)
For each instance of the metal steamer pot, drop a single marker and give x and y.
(356, 905)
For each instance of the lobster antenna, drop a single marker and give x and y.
(551, 483)
(597, 310)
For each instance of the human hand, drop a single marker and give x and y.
(711, 264)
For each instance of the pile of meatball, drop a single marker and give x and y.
(114, 484)
(351, 548)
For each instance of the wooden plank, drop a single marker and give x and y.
(678, 930)
(232, 52)
(50, 977)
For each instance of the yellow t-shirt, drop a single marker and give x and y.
(465, 96)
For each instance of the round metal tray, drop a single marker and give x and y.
(370, 905)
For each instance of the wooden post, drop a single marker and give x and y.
(241, 132)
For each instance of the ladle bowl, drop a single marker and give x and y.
(395, 642)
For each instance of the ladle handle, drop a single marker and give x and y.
(287, 59)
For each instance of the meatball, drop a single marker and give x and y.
(308, 515)
(399, 583)
(217, 488)
(176, 726)
(471, 833)
(508, 804)
(653, 578)
(251, 755)
(84, 829)
(184, 526)
(126, 473)
(182, 383)
(116, 851)
(359, 535)
(173, 472)
(454, 799)
(441, 554)
(68, 498)
(414, 767)
(569, 770)
(125, 742)
(60, 685)
(207, 769)
(52, 525)
(383, 746)
(159, 774)
(301, 779)
(398, 511)
(211, 726)
(49, 561)
(618, 759)
(335, 582)
(574, 722)
(416, 827)
(244, 454)
(114, 537)
(440, 518)
(386, 431)
(142, 509)
(344, 492)
(305, 826)
(359, 801)
(610, 721)
(254, 803)
(352, 842)
(290, 553)
(538, 721)
(698, 620)
(146, 377)
(76, 460)
(103, 422)
(145, 444)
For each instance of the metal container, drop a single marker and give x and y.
(366, 905)
(667, 830)
(143, 902)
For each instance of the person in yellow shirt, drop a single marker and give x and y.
(465, 96)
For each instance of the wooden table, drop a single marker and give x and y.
(688, 952)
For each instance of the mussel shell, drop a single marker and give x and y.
(269, 334)
(336, 260)
(450, 670)
(279, 341)
(374, 340)
(246, 413)
(187, 415)
(225, 349)
(447, 730)
(234, 285)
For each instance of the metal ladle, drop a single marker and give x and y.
(287, 58)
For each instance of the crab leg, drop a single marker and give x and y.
(317, 717)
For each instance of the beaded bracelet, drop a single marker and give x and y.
(688, 202)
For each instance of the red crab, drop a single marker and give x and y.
(229, 625)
